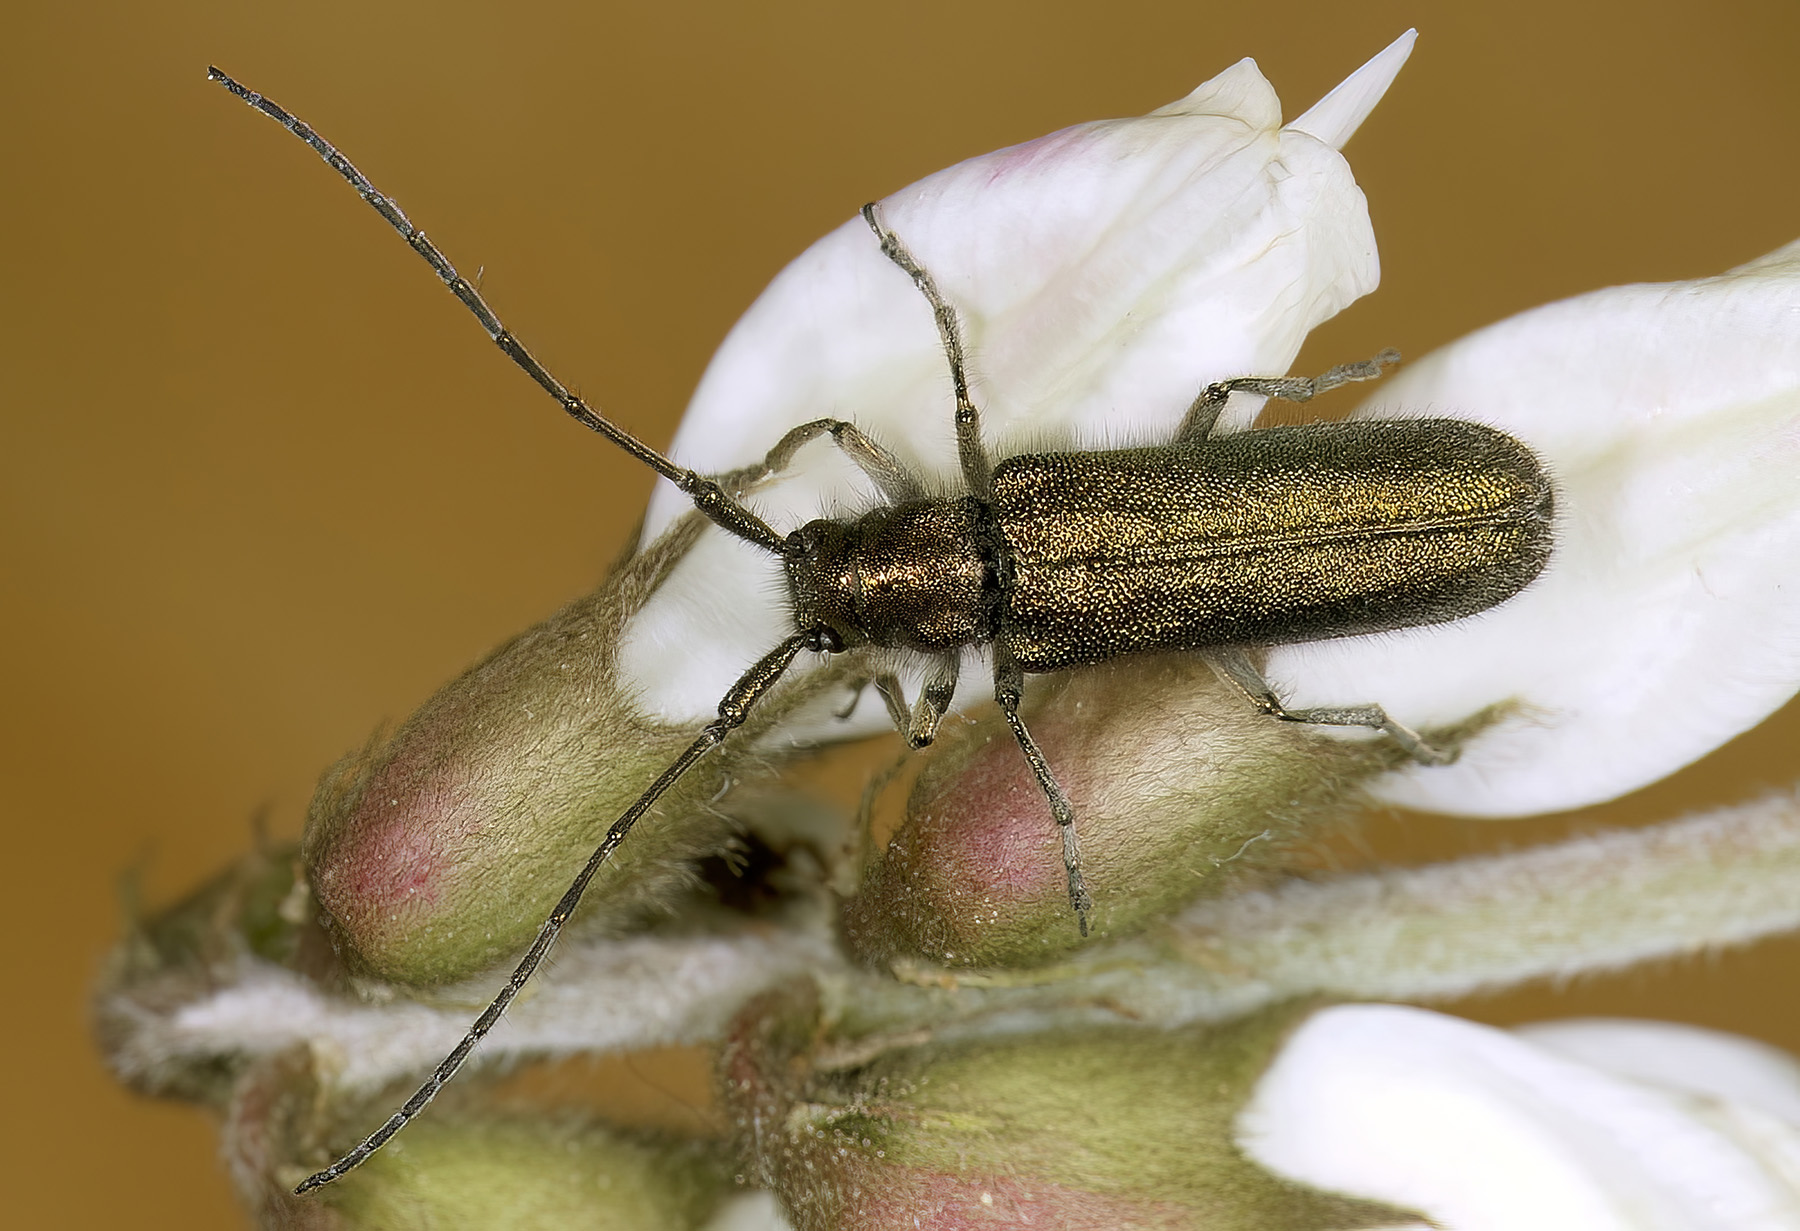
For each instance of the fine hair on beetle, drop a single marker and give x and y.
(1219, 544)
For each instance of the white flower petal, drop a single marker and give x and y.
(1483, 1131)
(1667, 621)
(1103, 275)
(1335, 118)
(1679, 1057)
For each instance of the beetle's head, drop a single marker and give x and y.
(822, 577)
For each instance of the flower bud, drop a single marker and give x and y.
(440, 851)
(1100, 1129)
(1179, 785)
(470, 1164)
(493, 1174)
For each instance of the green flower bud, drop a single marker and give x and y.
(438, 852)
(469, 1165)
(1179, 786)
(498, 1174)
(1100, 1129)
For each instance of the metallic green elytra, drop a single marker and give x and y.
(1218, 544)
(1264, 538)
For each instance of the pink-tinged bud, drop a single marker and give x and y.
(468, 1165)
(439, 852)
(1092, 1131)
(1179, 786)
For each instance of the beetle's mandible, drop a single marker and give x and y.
(1217, 544)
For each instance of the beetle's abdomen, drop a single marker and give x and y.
(1263, 537)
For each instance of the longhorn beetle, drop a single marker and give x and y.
(1211, 543)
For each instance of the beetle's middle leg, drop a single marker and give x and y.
(1232, 663)
(1203, 415)
(1009, 687)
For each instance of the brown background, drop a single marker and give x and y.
(265, 485)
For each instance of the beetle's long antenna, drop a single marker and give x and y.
(707, 495)
(733, 709)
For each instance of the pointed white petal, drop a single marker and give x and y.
(1335, 118)
(1483, 1131)
(1667, 620)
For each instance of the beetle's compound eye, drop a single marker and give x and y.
(802, 542)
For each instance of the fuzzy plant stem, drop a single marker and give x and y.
(1582, 906)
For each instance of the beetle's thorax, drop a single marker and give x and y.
(917, 576)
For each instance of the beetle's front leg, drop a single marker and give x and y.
(1203, 415)
(920, 724)
(934, 701)
(977, 469)
(1232, 663)
(889, 473)
(894, 697)
(857, 686)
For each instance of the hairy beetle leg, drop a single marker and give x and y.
(934, 701)
(977, 470)
(1203, 415)
(1009, 686)
(887, 684)
(887, 472)
(857, 686)
(1236, 666)
(919, 722)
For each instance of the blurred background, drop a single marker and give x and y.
(265, 485)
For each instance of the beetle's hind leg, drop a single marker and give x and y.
(1203, 415)
(1009, 687)
(1235, 665)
